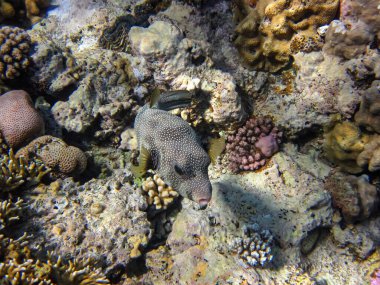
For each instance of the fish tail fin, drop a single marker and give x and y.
(171, 100)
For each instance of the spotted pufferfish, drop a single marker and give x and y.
(171, 146)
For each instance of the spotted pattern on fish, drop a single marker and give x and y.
(176, 152)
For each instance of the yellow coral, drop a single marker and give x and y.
(343, 144)
(269, 32)
(158, 192)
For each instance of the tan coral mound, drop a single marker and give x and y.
(15, 45)
(368, 115)
(370, 156)
(270, 31)
(343, 144)
(19, 121)
(13, 9)
(158, 192)
(34, 9)
(64, 160)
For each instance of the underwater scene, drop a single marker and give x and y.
(190, 142)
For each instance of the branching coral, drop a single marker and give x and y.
(270, 31)
(254, 247)
(64, 160)
(15, 45)
(19, 121)
(9, 9)
(10, 212)
(250, 146)
(15, 172)
(158, 192)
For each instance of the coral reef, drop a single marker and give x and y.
(268, 32)
(63, 160)
(158, 192)
(250, 146)
(15, 45)
(375, 277)
(254, 247)
(368, 114)
(15, 172)
(354, 196)
(343, 144)
(34, 9)
(19, 121)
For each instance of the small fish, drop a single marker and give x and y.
(171, 146)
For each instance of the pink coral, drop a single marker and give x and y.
(19, 121)
(375, 277)
(252, 144)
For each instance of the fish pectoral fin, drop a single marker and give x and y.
(139, 170)
(216, 147)
(154, 98)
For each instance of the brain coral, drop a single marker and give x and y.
(19, 121)
(64, 160)
(269, 31)
(14, 52)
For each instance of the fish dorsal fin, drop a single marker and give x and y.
(216, 147)
(139, 170)
(170, 100)
(154, 98)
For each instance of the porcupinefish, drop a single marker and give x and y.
(171, 146)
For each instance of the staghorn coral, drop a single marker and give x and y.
(158, 192)
(250, 146)
(18, 267)
(15, 45)
(19, 121)
(15, 172)
(254, 247)
(343, 144)
(269, 32)
(10, 212)
(354, 196)
(64, 160)
(370, 156)
(368, 115)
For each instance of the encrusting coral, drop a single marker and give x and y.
(268, 31)
(158, 192)
(254, 247)
(250, 146)
(343, 144)
(19, 121)
(64, 160)
(15, 45)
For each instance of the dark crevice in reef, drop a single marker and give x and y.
(309, 133)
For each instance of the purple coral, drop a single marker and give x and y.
(251, 145)
(375, 277)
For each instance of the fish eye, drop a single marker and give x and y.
(178, 170)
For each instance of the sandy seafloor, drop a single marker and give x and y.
(97, 61)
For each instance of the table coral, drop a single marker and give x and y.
(64, 160)
(158, 192)
(343, 144)
(19, 121)
(368, 115)
(270, 31)
(250, 146)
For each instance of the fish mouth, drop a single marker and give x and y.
(203, 203)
